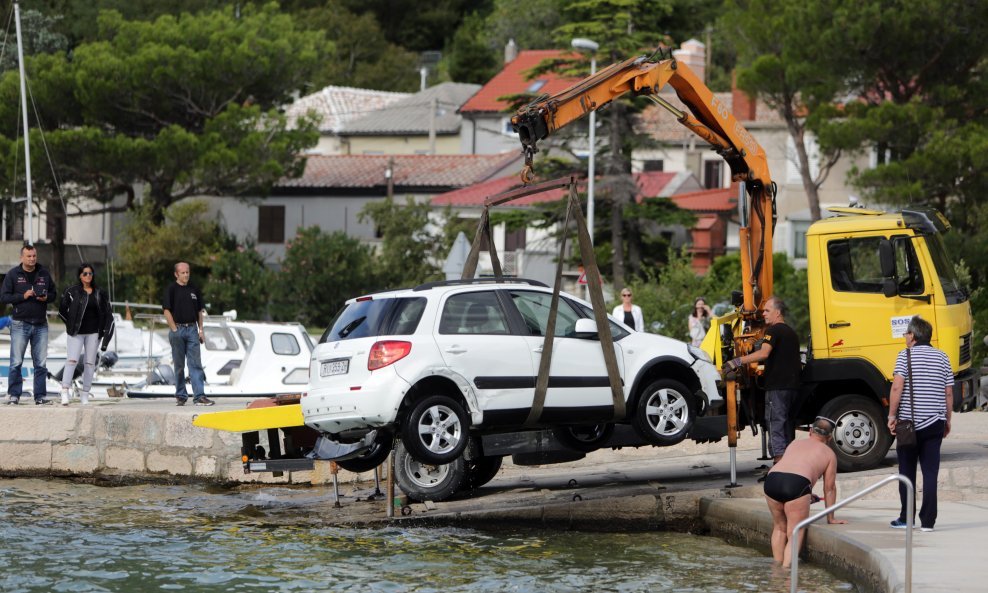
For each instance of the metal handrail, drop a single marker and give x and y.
(909, 526)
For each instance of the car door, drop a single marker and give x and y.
(476, 342)
(579, 389)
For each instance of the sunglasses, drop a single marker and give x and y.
(626, 295)
(86, 274)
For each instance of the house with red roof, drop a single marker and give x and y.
(486, 116)
(532, 252)
(334, 189)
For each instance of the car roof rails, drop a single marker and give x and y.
(487, 280)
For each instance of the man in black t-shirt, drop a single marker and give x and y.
(184, 309)
(780, 351)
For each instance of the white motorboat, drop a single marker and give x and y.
(242, 359)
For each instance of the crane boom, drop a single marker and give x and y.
(707, 117)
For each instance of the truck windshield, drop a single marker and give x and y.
(945, 270)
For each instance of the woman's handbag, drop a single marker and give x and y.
(905, 430)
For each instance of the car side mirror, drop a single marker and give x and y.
(585, 328)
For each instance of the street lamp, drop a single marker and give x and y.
(591, 46)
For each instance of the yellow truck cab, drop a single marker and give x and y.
(869, 272)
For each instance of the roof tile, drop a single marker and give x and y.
(512, 81)
(410, 115)
(339, 104)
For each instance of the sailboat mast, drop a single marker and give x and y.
(27, 144)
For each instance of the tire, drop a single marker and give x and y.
(665, 413)
(426, 481)
(436, 430)
(583, 437)
(861, 439)
(375, 456)
(480, 471)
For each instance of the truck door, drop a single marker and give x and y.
(861, 321)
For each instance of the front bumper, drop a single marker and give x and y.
(967, 387)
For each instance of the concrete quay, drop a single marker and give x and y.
(682, 487)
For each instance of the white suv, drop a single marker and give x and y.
(445, 361)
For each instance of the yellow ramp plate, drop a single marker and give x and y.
(250, 419)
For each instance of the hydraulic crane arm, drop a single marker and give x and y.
(707, 117)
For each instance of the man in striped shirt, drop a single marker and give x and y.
(923, 391)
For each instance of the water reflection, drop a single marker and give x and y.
(61, 536)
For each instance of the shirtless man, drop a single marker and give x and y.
(789, 485)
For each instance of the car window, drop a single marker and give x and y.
(408, 313)
(285, 344)
(617, 332)
(534, 310)
(473, 313)
(854, 264)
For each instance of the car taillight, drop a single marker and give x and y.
(388, 352)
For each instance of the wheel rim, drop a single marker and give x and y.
(667, 412)
(855, 433)
(439, 429)
(425, 475)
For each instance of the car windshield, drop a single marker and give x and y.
(375, 317)
(945, 270)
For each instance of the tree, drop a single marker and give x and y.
(318, 274)
(470, 55)
(181, 106)
(362, 57)
(529, 22)
(239, 280)
(409, 254)
(622, 28)
(40, 36)
(778, 68)
(148, 250)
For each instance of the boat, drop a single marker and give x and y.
(241, 359)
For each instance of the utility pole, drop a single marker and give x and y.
(389, 176)
(433, 106)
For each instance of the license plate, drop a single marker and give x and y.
(334, 367)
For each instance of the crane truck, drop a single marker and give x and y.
(869, 271)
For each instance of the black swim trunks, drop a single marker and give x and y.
(783, 487)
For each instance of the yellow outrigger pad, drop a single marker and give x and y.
(250, 419)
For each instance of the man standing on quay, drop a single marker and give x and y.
(780, 351)
(184, 309)
(27, 287)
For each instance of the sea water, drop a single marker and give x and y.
(64, 536)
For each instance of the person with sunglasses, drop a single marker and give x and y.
(85, 309)
(780, 353)
(629, 313)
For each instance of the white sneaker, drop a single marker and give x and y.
(84, 398)
(65, 397)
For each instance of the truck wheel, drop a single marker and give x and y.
(861, 438)
(665, 413)
(585, 437)
(480, 471)
(425, 481)
(435, 430)
(373, 457)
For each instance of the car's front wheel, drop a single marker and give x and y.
(436, 429)
(665, 412)
(428, 481)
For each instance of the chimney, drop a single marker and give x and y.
(693, 54)
(510, 51)
(743, 106)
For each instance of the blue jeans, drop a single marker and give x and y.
(781, 428)
(185, 346)
(22, 333)
(927, 454)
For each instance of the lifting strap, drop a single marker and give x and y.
(573, 211)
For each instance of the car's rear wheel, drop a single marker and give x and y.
(480, 471)
(665, 412)
(428, 481)
(584, 437)
(373, 457)
(436, 429)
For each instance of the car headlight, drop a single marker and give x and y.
(698, 353)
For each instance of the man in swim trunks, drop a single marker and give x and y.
(789, 485)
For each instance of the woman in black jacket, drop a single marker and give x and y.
(85, 309)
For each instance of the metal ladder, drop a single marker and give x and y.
(910, 502)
